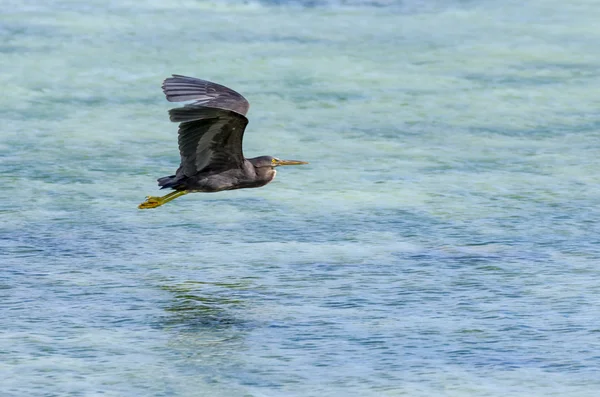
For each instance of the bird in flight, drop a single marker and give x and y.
(211, 130)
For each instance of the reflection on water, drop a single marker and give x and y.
(199, 306)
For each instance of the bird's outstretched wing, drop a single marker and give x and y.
(181, 88)
(210, 139)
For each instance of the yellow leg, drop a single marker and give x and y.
(154, 201)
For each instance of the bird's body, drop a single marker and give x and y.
(210, 142)
(209, 182)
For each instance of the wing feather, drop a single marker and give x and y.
(210, 139)
(182, 88)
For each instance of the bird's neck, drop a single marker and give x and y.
(258, 176)
(266, 174)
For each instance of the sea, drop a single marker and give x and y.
(443, 241)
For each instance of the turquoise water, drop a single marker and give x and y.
(443, 241)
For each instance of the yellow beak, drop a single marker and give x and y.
(291, 162)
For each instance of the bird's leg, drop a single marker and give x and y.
(154, 201)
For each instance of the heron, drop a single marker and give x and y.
(211, 130)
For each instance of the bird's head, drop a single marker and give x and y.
(272, 162)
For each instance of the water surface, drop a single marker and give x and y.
(443, 240)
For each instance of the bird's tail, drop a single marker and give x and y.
(167, 182)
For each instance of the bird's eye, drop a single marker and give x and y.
(274, 161)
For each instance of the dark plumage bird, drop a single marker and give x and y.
(211, 130)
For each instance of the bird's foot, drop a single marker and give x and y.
(151, 202)
(154, 201)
